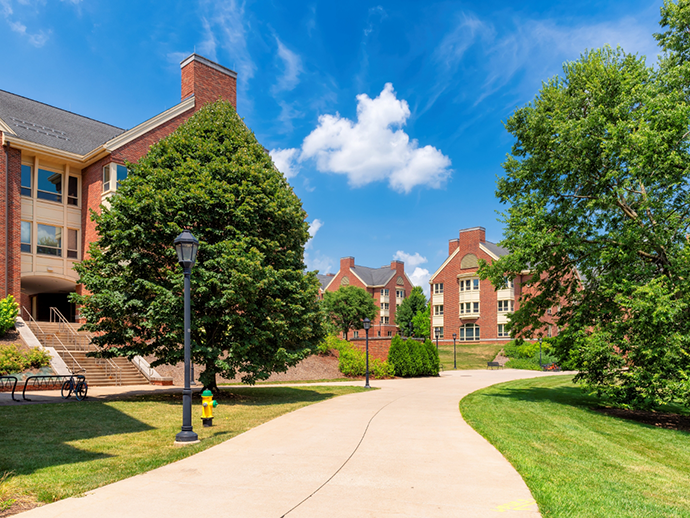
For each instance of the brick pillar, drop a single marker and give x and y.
(10, 222)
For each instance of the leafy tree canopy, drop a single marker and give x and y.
(409, 308)
(254, 311)
(421, 322)
(348, 306)
(598, 190)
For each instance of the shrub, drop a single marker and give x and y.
(525, 355)
(353, 362)
(37, 358)
(412, 358)
(9, 309)
(12, 360)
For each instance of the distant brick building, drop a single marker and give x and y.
(388, 285)
(472, 308)
(56, 166)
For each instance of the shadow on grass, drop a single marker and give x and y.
(36, 436)
(250, 396)
(570, 396)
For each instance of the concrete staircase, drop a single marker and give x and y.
(73, 346)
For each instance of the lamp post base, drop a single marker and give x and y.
(185, 438)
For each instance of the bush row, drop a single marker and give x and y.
(9, 309)
(12, 360)
(525, 355)
(412, 358)
(353, 362)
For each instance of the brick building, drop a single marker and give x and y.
(56, 166)
(388, 285)
(472, 308)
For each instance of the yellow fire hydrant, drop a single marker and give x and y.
(207, 404)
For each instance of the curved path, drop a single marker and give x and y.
(402, 451)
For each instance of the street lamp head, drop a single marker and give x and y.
(454, 336)
(186, 245)
(366, 323)
(438, 333)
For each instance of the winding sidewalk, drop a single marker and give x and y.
(402, 451)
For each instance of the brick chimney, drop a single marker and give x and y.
(346, 263)
(453, 244)
(471, 237)
(398, 266)
(207, 81)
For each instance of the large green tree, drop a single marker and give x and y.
(348, 306)
(414, 304)
(598, 188)
(254, 310)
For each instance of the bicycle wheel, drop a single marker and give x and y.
(81, 390)
(66, 389)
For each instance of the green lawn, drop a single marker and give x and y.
(54, 451)
(578, 462)
(469, 356)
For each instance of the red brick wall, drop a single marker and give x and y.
(207, 84)
(378, 347)
(10, 222)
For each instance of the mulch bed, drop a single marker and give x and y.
(668, 421)
(11, 337)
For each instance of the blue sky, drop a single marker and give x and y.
(387, 117)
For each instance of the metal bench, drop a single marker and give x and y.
(489, 365)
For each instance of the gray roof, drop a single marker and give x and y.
(498, 251)
(49, 126)
(324, 280)
(374, 276)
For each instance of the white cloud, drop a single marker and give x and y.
(37, 39)
(314, 227)
(322, 263)
(286, 161)
(420, 277)
(410, 260)
(207, 47)
(293, 67)
(375, 148)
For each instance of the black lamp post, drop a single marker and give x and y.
(455, 363)
(438, 332)
(540, 365)
(186, 245)
(410, 326)
(366, 323)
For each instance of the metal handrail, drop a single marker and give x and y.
(74, 360)
(33, 322)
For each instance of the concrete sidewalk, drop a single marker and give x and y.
(402, 451)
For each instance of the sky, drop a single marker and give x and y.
(387, 118)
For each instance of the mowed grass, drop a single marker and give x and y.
(578, 462)
(469, 356)
(55, 451)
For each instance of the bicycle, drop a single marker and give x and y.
(80, 388)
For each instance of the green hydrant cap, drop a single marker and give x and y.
(207, 393)
(215, 403)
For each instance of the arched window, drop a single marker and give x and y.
(469, 261)
(469, 333)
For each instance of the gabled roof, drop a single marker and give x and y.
(43, 124)
(325, 280)
(373, 276)
(496, 250)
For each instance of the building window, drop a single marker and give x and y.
(548, 331)
(26, 236)
(72, 241)
(502, 331)
(379, 333)
(121, 173)
(507, 283)
(400, 294)
(438, 288)
(356, 335)
(26, 180)
(49, 240)
(548, 311)
(469, 284)
(72, 191)
(469, 332)
(49, 186)
(475, 307)
(465, 307)
(385, 305)
(438, 310)
(384, 292)
(505, 306)
(438, 330)
(385, 320)
(475, 284)
(390, 333)
(106, 178)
